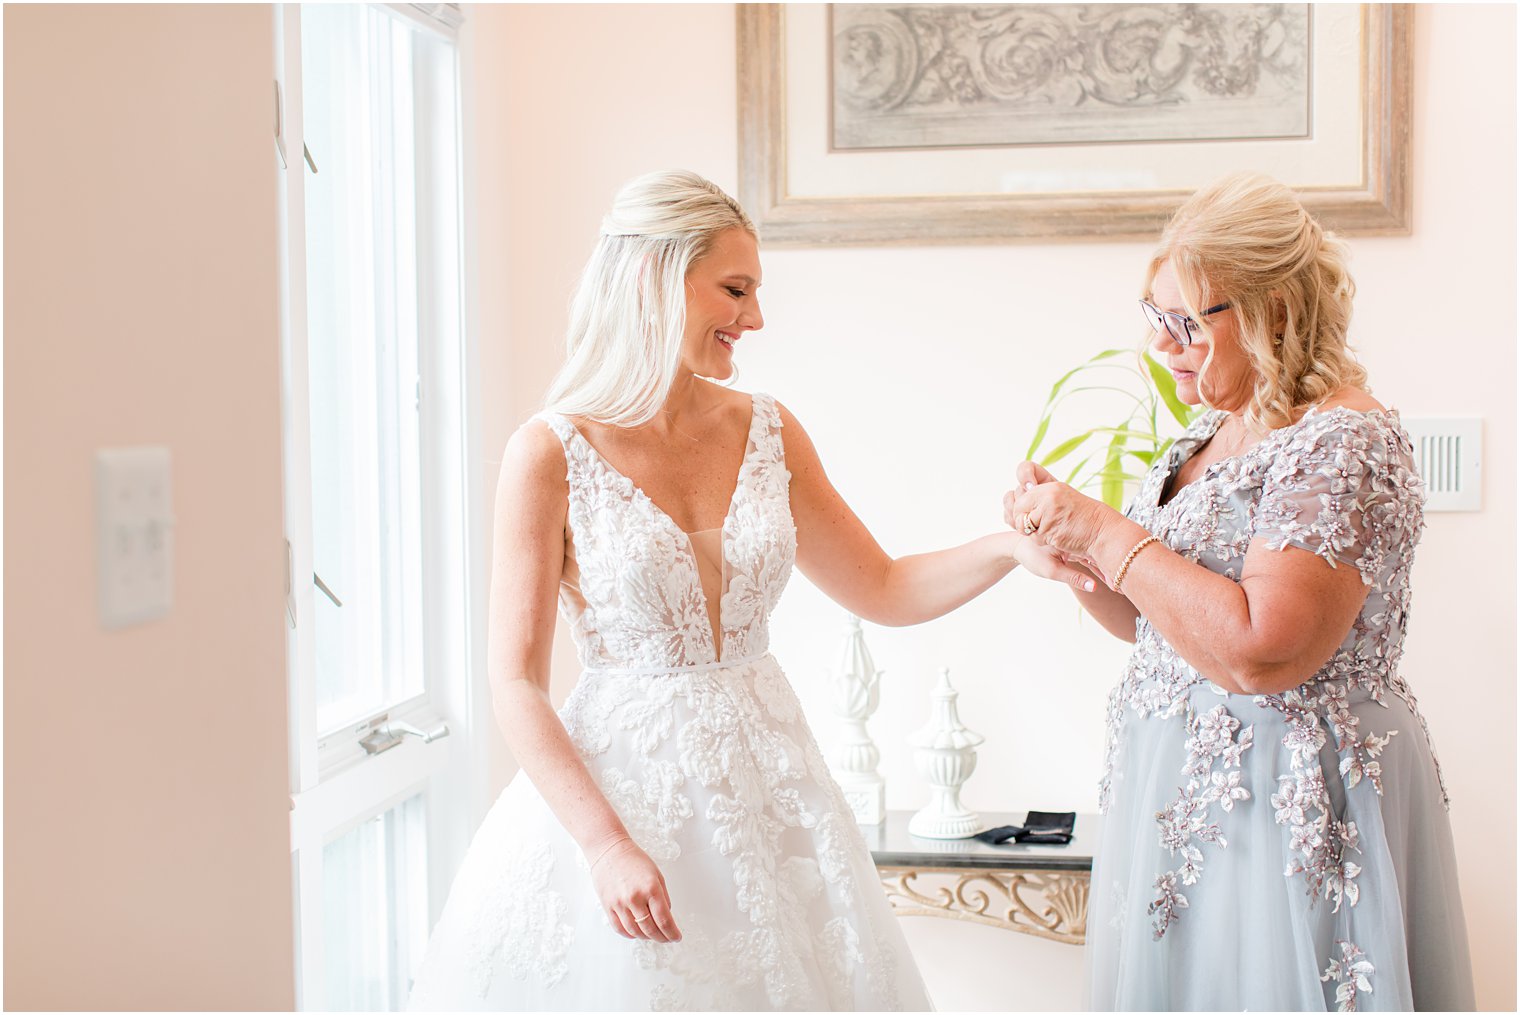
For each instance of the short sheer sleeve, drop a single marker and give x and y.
(1344, 487)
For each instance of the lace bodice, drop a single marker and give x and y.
(634, 594)
(692, 733)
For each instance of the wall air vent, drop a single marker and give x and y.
(1449, 454)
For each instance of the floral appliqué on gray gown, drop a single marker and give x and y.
(1266, 851)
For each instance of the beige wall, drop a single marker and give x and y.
(147, 858)
(919, 373)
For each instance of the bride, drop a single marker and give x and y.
(674, 839)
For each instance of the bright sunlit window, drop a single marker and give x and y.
(377, 487)
(362, 333)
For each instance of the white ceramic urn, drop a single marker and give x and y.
(856, 683)
(945, 751)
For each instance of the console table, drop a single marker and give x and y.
(1039, 890)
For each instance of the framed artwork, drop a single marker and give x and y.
(949, 123)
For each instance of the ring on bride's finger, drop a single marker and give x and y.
(641, 919)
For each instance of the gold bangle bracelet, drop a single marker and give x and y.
(1130, 557)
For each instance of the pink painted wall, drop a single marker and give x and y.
(147, 860)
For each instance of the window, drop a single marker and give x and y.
(372, 938)
(379, 496)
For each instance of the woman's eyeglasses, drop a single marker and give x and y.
(1184, 330)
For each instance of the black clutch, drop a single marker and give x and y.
(1040, 828)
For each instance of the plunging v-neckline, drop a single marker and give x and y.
(714, 618)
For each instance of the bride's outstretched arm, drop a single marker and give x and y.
(526, 568)
(839, 555)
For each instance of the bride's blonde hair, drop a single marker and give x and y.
(1246, 240)
(623, 349)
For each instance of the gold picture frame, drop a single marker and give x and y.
(1376, 204)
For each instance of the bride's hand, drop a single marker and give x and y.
(1040, 559)
(632, 891)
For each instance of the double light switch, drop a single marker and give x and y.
(135, 534)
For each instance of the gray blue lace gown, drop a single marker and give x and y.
(699, 743)
(1287, 851)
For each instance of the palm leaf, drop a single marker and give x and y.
(1039, 435)
(1129, 433)
(1138, 436)
(1072, 475)
(1166, 386)
(1113, 485)
(1064, 448)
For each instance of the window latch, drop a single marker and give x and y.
(279, 126)
(391, 732)
(290, 596)
(325, 590)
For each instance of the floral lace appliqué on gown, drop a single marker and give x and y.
(700, 745)
(1284, 851)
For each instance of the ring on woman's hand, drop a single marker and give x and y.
(641, 919)
(1030, 526)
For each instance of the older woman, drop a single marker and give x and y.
(1275, 832)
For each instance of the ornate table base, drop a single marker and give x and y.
(1048, 904)
(1038, 890)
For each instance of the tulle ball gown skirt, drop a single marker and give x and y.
(716, 776)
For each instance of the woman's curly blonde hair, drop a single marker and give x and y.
(1246, 240)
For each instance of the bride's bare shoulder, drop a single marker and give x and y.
(534, 453)
(731, 400)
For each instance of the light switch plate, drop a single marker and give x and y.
(134, 520)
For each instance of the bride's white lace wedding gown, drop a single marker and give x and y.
(698, 741)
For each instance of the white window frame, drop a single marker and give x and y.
(336, 785)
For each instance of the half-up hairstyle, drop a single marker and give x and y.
(627, 320)
(1246, 240)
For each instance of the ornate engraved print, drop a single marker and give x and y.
(925, 75)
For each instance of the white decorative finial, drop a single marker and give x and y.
(856, 692)
(946, 754)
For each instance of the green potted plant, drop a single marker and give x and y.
(1108, 457)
